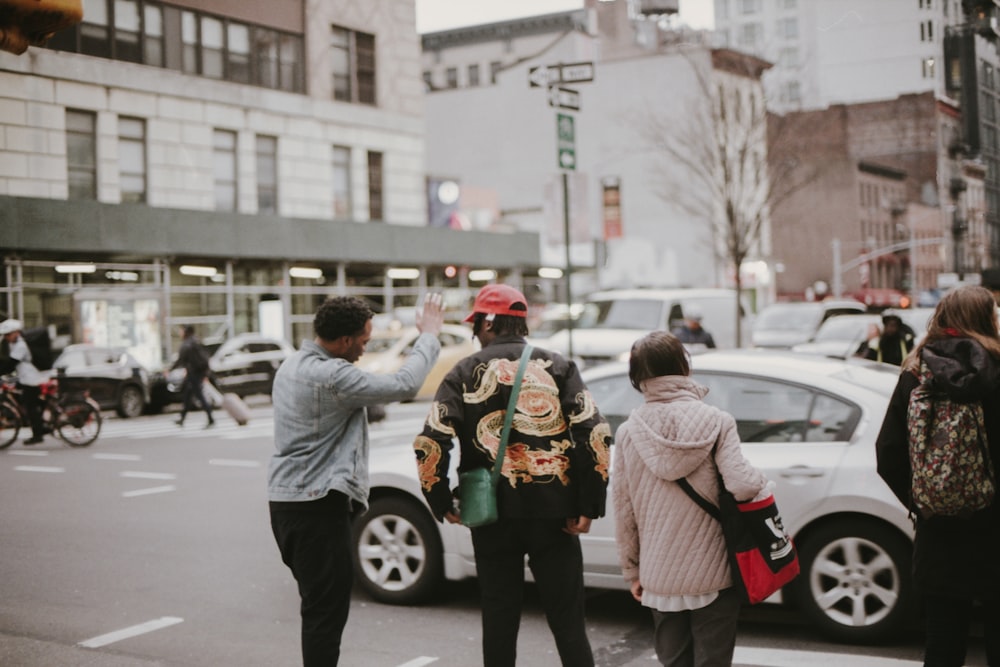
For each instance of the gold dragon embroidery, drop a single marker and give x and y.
(428, 463)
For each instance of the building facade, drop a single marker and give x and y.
(228, 164)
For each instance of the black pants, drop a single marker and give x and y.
(947, 625)
(191, 390)
(556, 563)
(703, 637)
(314, 538)
(31, 399)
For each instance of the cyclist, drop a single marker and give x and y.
(28, 377)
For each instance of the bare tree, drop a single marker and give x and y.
(738, 161)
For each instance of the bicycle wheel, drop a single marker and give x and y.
(79, 423)
(10, 425)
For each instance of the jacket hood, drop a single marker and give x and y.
(962, 368)
(674, 431)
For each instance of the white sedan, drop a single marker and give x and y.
(809, 423)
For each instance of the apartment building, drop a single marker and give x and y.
(223, 163)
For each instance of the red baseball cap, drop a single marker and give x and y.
(498, 300)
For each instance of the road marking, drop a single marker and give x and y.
(133, 631)
(419, 662)
(39, 469)
(118, 457)
(775, 657)
(150, 491)
(133, 474)
(236, 463)
(18, 452)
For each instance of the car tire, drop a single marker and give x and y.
(855, 584)
(131, 402)
(397, 552)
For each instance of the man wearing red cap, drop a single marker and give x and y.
(553, 480)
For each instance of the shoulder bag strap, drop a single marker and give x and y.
(685, 485)
(508, 419)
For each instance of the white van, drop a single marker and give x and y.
(612, 320)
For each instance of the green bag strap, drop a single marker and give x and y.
(508, 419)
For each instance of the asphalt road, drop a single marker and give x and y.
(152, 547)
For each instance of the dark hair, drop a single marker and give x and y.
(969, 310)
(503, 325)
(188, 330)
(341, 316)
(656, 354)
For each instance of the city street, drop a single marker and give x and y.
(152, 547)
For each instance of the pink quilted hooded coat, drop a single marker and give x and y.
(672, 546)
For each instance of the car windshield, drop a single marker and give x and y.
(788, 317)
(642, 314)
(842, 327)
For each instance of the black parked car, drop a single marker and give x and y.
(244, 365)
(115, 379)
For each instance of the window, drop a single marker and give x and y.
(988, 82)
(375, 203)
(132, 159)
(792, 92)
(238, 52)
(927, 31)
(267, 174)
(750, 34)
(94, 37)
(428, 81)
(211, 47)
(473, 75)
(927, 67)
(189, 42)
(224, 169)
(451, 77)
(152, 44)
(81, 154)
(352, 55)
(127, 31)
(788, 28)
(749, 6)
(342, 207)
(789, 57)
(495, 68)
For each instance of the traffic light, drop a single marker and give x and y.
(25, 23)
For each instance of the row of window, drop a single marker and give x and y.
(473, 78)
(81, 152)
(752, 34)
(158, 34)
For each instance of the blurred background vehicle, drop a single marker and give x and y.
(809, 423)
(114, 378)
(782, 325)
(841, 335)
(388, 349)
(244, 365)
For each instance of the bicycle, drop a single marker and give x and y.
(77, 420)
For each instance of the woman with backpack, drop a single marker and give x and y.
(938, 450)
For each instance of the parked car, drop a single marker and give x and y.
(388, 349)
(809, 423)
(244, 364)
(114, 378)
(841, 335)
(782, 325)
(614, 319)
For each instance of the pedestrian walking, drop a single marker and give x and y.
(956, 559)
(553, 479)
(892, 344)
(692, 332)
(193, 358)
(318, 475)
(672, 552)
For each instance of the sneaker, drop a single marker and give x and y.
(179, 422)
(33, 440)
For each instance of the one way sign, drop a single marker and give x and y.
(551, 75)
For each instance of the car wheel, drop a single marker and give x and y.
(855, 584)
(397, 552)
(131, 402)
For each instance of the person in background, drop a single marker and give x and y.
(29, 378)
(956, 559)
(553, 480)
(892, 345)
(193, 358)
(318, 475)
(691, 332)
(672, 552)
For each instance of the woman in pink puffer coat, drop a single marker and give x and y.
(672, 552)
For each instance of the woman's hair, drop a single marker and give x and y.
(655, 354)
(969, 311)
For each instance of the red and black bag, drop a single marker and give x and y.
(761, 554)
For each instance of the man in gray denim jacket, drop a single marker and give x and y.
(319, 472)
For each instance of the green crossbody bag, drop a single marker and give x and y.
(477, 488)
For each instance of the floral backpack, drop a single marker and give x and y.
(952, 473)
